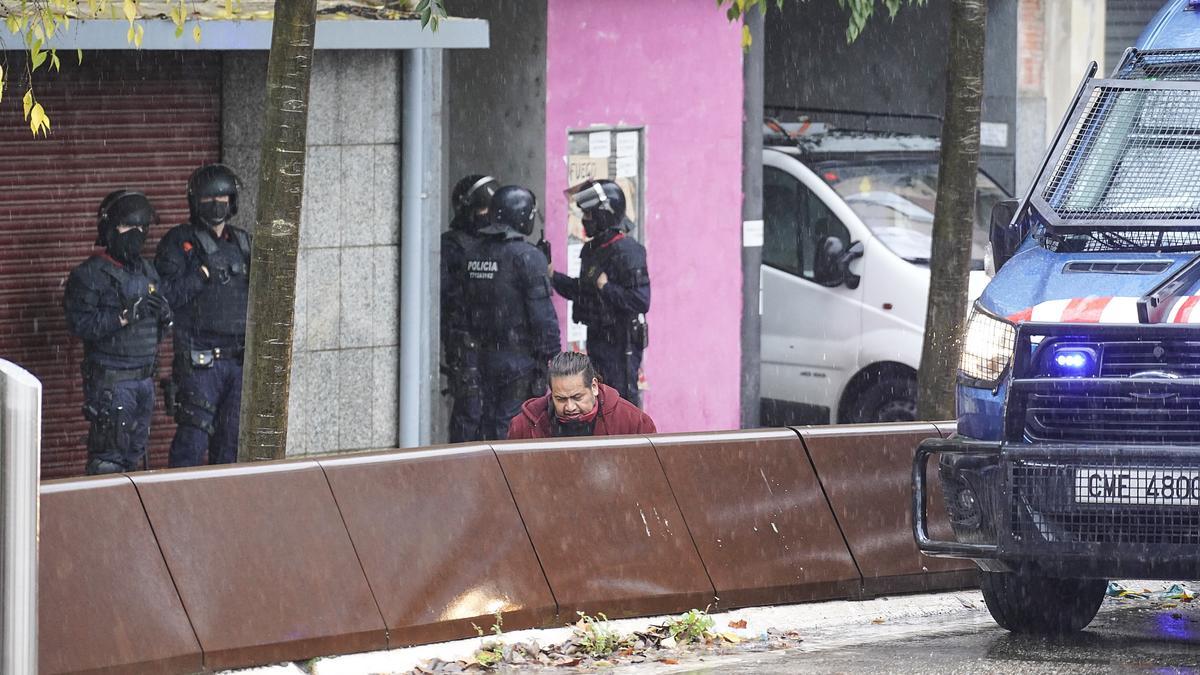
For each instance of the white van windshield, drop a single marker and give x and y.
(895, 199)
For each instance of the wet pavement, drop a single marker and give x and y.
(1128, 636)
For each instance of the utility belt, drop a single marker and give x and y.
(105, 376)
(632, 332)
(206, 358)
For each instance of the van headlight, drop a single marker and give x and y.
(987, 347)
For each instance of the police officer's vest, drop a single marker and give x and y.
(221, 306)
(135, 341)
(496, 293)
(619, 258)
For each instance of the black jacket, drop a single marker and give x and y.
(209, 312)
(97, 292)
(627, 292)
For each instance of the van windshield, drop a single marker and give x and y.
(895, 199)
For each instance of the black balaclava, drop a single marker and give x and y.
(213, 213)
(126, 247)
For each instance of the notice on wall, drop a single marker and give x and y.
(627, 166)
(627, 144)
(993, 134)
(600, 144)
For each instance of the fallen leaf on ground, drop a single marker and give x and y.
(669, 662)
(738, 624)
(878, 621)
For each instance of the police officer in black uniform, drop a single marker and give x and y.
(510, 315)
(205, 268)
(470, 200)
(612, 294)
(114, 304)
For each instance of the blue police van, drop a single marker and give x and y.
(1077, 458)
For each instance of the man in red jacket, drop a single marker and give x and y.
(577, 405)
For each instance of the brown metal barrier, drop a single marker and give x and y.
(262, 561)
(106, 603)
(441, 542)
(221, 567)
(763, 528)
(866, 472)
(605, 526)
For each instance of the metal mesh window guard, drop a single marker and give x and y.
(1121, 240)
(1134, 154)
(1166, 64)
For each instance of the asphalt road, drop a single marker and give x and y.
(1127, 636)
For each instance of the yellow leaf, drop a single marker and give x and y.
(178, 31)
(27, 102)
(196, 33)
(1, 83)
(130, 9)
(38, 119)
(731, 638)
(746, 37)
(137, 37)
(79, 53)
(54, 61)
(129, 35)
(13, 25)
(228, 8)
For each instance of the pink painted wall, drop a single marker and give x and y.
(674, 67)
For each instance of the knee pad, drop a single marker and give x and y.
(98, 467)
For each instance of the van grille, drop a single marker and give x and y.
(1148, 416)
(1125, 359)
(1043, 507)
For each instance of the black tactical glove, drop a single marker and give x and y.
(157, 305)
(135, 309)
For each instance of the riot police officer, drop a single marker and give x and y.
(470, 200)
(114, 304)
(612, 293)
(510, 314)
(205, 268)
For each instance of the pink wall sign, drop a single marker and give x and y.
(673, 68)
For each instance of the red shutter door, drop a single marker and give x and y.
(142, 121)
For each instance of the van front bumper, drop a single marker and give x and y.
(1063, 509)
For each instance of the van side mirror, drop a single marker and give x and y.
(832, 266)
(1004, 234)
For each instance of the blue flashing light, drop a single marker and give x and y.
(1074, 362)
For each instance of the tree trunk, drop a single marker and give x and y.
(268, 362)
(952, 223)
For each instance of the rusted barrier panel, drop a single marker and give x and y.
(262, 561)
(866, 471)
(441, 542)
(759, 518)
(605, 526)
(106, 603)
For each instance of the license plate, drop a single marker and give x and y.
(1170, 487)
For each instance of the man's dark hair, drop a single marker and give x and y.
(566, 364)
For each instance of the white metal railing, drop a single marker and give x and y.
(20, 469)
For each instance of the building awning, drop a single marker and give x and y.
(226, 35)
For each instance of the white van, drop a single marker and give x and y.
(848, 218)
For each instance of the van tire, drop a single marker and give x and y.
(892, 398)
(1038, 605)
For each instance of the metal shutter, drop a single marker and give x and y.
(122, 119)
(1124, 21)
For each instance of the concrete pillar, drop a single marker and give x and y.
(20, 469)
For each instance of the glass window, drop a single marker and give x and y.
(781, 213)
(896, 201)
(795, 223)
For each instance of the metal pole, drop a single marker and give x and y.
(20, 469)
(420, 221)
(752, 224)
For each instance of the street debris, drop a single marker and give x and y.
(594, 643)
(1177, 592)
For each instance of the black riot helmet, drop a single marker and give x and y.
(472, 194)
(212, 180)
(123, 207)
(512, 208)
(602, 203)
